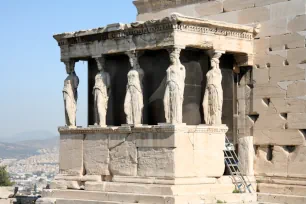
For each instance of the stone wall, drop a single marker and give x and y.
(271, 98)
(147, 151)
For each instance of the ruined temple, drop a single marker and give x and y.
(174, 96)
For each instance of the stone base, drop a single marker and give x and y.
(151, 190)
(282, 190)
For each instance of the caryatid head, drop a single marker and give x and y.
(215, 60)
(101, 63)
(133, 77)
(175, 55)
(70, 65)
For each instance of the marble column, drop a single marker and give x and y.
(133, 104)
(175, 85)
(213, 97)
(101, 92)
(70, 93)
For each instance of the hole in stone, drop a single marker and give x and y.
(257, 66)
(270, 153)
(254, 117)
(284, 115)
(286, 126)
(286, 47)
(270, 49)
(290, 148)
(303, 131)
(268, 65)
(267, 101)
(286, 63)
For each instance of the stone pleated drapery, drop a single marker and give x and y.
(213, 98)
(70, 94)
(101, 93)
(133, 104)
(175, 84)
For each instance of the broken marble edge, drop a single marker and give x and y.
(173, 18)
(202, 128)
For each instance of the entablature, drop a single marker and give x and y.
(175, 30)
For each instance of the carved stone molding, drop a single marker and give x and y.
(145, 128)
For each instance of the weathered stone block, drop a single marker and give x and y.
(290, 41)
(297, 163)
(96, 154)
(208, 8)
(282, 189)
(287, 8)
(288, 105)
(261, 76)
(297, 56)
(278, 166)
(71, 155)
(253, 15)
(298, 23)
(297, 120)
(268, 91)
(286, 73)
(278, 137)
(273, 27)
(297, 89)
(232, 5)
(262, 45)
(260, 106)
(264, 122)
(229, 17)
(123, 159)
(269, 60)
(208, 163)
(156, 162)
(267, 2)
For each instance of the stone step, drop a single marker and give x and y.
(76, 196)
(280, 198)
(107, 196)
(156, 189)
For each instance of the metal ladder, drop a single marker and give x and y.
(241, 182)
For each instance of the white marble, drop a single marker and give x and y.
(133, 104)
(174, 93)
(213, 98)
(70, 94)
(101, 92)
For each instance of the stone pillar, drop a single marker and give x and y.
(101, 93)
(246, 152)
(213, 97)
(133, 104)
(70, 93)
(175, 85)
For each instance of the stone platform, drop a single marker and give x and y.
(143, 164)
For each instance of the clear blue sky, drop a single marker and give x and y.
(30, 69)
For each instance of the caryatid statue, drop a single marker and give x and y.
(213, 98)
(101, 92)
(133, 104)
(70, 94)
(175, 85)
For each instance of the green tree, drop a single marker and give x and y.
(4, 177)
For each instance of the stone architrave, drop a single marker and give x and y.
(175, 84)
(213, 98)
(101, 93)
(70, 94)
(133, 104)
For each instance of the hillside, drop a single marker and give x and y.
(28, 148)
